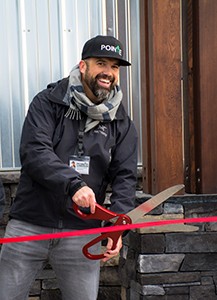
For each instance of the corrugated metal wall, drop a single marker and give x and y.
(41, 40)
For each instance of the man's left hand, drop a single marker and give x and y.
(111, 253)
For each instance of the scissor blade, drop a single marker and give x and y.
(153, 202)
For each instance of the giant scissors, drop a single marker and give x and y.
(131, 217)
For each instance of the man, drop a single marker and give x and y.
(76, 140)
(2, 199)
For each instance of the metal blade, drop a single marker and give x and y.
(153, 202)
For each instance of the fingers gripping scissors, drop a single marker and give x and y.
(104, 214)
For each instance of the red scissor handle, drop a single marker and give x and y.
(102, 213)
(122, 220)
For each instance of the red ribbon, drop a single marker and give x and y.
(104, 229)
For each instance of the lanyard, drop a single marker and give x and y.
(80, 146)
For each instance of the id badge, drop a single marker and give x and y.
(80, 164)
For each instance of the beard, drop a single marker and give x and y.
(99, 92)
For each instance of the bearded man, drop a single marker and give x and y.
(76, 139)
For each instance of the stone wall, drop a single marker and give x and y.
(173, 262)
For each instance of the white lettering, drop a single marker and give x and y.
(112, 48)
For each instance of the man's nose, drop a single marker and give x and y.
(107, 70)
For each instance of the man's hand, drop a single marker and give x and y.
(85, 197)
(111, 253)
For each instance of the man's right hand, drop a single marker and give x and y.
(85, 197)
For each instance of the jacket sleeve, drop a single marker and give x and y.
(37, 155)
(123, 168)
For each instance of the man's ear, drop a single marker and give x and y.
(82, 66)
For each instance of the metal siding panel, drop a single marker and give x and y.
(79, 22)
(15, 84)
(129, 34)
(122, 34)
(43, 40)
(42, 43)
(97, 19)
(29, 42)
(135, 99)
(54, 39)
(10, 98)
(5, 94)
(68, 34)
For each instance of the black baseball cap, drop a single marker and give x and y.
(105, 46)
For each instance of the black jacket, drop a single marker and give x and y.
(47, 182)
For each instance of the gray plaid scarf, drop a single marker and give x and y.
(78, 102)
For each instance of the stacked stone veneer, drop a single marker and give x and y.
(172, 262)
(176, 262)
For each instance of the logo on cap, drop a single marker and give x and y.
(116, 49)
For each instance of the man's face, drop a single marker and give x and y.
(99, 76)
